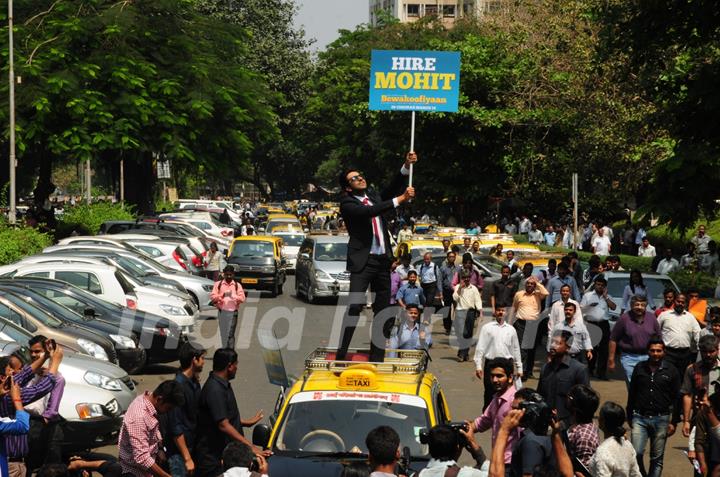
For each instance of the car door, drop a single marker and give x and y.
(19, 319)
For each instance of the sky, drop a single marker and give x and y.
(323, 18)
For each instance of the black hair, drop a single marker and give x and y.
(552, 261)
(443, 442)
(613, 258)
(525, 393)
(504, 267)
(356, 469)
(707, 343)
(382, 444)
(690, 290)
(53, 470)
(639, 274)
(594, 261)
(565, 335)
(570, 304)
(467, 257)
(4, 363)
(572, 255)
(413, 306)
(565, 285)
(37, 339)
(505, 363)
(342, 178)
(411, 272)
(223, 358)
(563, 266)
(613, 417)
(600, 279)
(655, 340)
(187, 353)
(455, 248)
(714, 310)
(228, 268)
(171, 392)
(237, 454)
(585, 401)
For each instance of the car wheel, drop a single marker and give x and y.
(297, 288)
(194, 298)
(310, 293)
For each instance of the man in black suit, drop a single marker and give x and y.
(369, 251)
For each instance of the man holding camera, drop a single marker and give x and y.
(239, 460)
(446, 443)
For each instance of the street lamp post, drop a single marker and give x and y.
(13, 211)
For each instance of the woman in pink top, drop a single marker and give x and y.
(227, 295)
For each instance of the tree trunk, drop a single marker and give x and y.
(44, 186)
(140, 182)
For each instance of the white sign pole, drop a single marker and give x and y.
(412, 143)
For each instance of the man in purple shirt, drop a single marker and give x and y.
(501, 376)
(16, 445)
(45, 436)
(632, 333)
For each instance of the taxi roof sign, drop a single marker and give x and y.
(358, 377)
(407, 361)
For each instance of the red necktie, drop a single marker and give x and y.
(376, 227)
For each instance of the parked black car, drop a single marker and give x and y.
(159, 336)
(131, 355)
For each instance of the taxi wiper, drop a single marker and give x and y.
(305, 455)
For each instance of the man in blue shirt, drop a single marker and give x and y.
(411, 292)
(430, 279)
(556, 283)
(411, 333)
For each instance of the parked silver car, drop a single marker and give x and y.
(321, 269)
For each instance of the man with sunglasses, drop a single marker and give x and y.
(369, 251)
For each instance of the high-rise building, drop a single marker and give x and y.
(447, 10)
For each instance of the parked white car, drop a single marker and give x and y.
(113, 285)
(203, 221)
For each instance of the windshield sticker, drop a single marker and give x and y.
(392, 398)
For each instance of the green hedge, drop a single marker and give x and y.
(17, 243)
(86, 219)
(629, 262)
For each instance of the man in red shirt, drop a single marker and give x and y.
(227, 295)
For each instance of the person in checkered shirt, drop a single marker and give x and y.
(140, 443)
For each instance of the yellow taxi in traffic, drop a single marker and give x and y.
(258, 262)
(326, 414)
(418, 247)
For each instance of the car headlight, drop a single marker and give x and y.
(102, 381)
(208, 288)
(123, 341)
(269, 269)
(320, 275)
(164, 285)
(89, 410)
(93, 349)
(173, 310)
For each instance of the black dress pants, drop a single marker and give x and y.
(600, 353)
(376, 274)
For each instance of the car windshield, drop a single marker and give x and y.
(281, 223)
(248, 248)
(418, 252)
(341, 425)
(490, 264)
(655, 286)
(331, 252)
(53, 307)
(292, 240)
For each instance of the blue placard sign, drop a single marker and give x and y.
(414, 80)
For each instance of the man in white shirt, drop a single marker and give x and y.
(596, 306)
(468, 305)
(405, 234)
(535, 236)
(601, 244)
(646, 250)
(668, 264)
(680, 332)
(557, 310)
(383, 445)
(525, 225)
(497, 339)
(581, 344)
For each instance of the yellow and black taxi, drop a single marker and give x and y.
(321, 421)
(416, 248)
(258, 262)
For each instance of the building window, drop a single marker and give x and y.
(492, 6)
(431, 9)
(413, 10)
(449, 11)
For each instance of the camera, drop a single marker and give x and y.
(424, 434)
(537, 414)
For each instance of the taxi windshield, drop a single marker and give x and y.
(341, 425)
(247, 248)
(292, 240)
(331, 252)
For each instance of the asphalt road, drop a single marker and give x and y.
(301, 327)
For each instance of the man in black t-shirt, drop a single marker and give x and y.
(219, 419)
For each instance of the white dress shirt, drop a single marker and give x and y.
(467, 298)
(498, 341)
(666, 266)
(679, 331)
(594, 307)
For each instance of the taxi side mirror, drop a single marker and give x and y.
(261, 435)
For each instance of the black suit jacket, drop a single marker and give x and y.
(358, 220)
